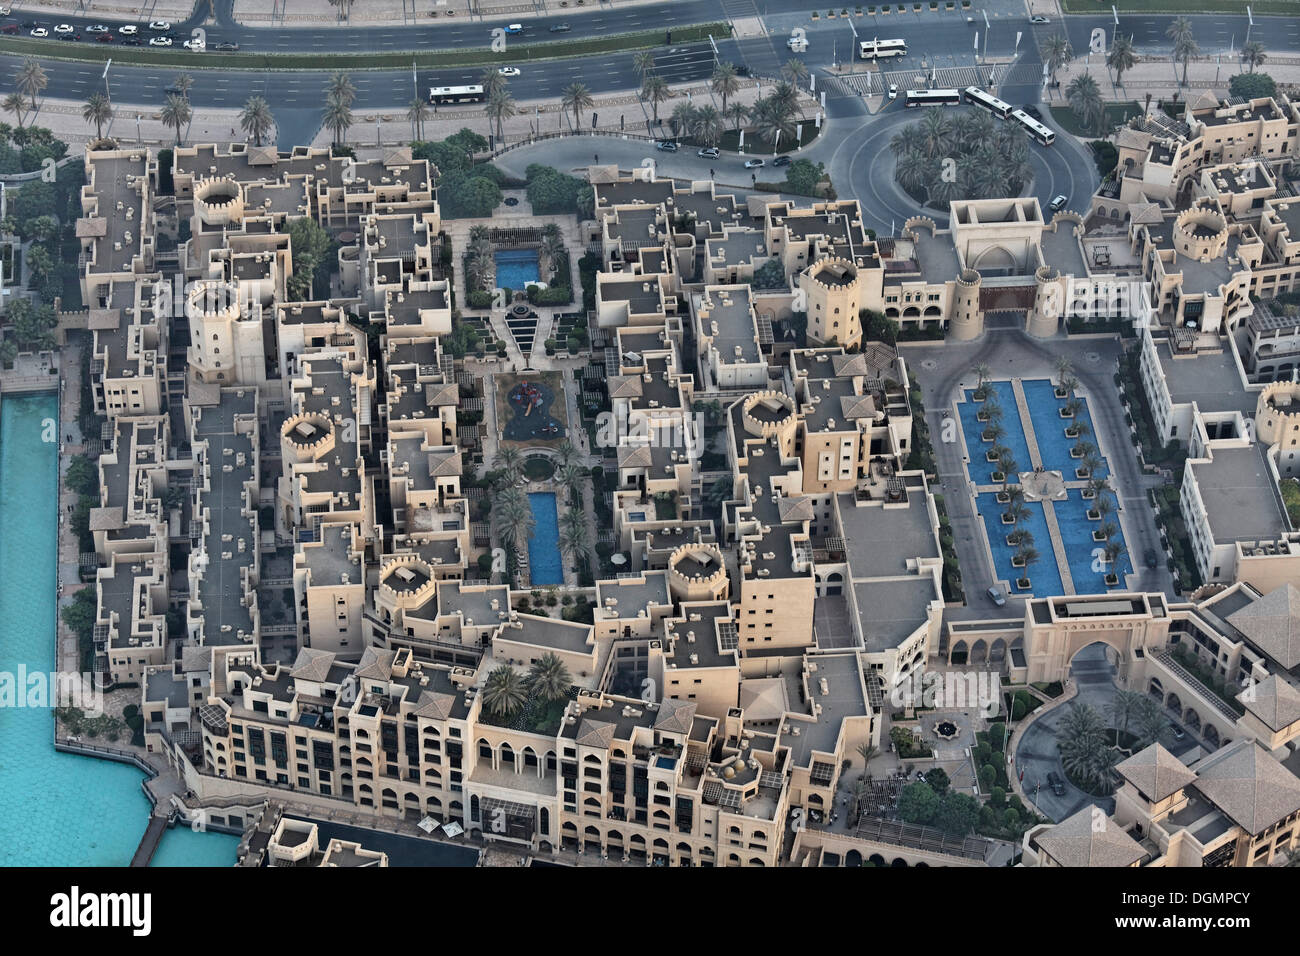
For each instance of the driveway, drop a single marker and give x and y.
(1038, 755)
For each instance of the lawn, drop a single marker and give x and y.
(100, 52)
(1177, 7)
(1116, 115)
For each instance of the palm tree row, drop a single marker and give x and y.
(339, 96)
(704, 124)
(481, 272)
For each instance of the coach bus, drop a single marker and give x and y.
(875, 49)
(933, 97)
(1036, 129)
(455, 94)
(977, 97)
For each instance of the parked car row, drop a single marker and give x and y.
(712, 152)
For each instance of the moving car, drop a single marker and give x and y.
(4, 11)
(755, 163)
(105, 38)
(10, 28)
(63, 28)
(97, 28)
(560, 28)
(893, 91)
(781, 161)
(509, 71)
(160, 41)
(70, 37)
(40, 32)
(1039, 18)
(797, 44)
(995, 595)
(226, 47)
(160, 26)
(1058, 203)
(515, 28)
(708, 152)
(131, 41)
(194, 46)
(667, 145)
(1056, 783)
(129, 30)
(1149, 556)
(1179, 733)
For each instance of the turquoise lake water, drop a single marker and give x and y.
(57, 809)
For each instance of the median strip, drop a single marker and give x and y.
(428, 59)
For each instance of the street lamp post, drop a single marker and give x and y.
(986, 33)
(138, 139)
(107, 93)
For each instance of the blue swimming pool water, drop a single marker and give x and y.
(182, 846)
(1049, 428)
(516, 268)
(1043, 574)
(980, 470)
(544, 545)
(1076, 532)
(55, 809)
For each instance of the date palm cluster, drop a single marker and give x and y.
(967, 156)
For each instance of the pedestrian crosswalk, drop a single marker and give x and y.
(948, 77)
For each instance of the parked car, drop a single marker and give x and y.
(1039, 18)
(560, 28)
(755, 163)
(64, 28)
(131, 41)
(667, 145)
(160, 41)
(97, 28)
(1179, 733)
(514, 28)
(1058, 203)
(893, 91)
(226, 47)
(708, 152)
(129, 30)
(781, 161)
(1056, 783)
(1149, 557)
(508, 70)
(104, 38)
(995, 595)
(160, 26)
(10, 28)
(40, 32)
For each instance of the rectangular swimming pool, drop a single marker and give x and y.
(1076, 532)
(516, 268)
(544, 563)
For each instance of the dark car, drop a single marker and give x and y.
(1032, 110)
(560, 28)
(226, 47)
(70, 37)
(1056, 783)
(104, 38)
(781, 161)
(131, 41)
(10, 28)
(1149, 556)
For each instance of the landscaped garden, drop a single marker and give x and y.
(943, 157)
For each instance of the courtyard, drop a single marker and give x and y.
(531, 409)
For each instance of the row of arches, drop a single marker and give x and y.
(981, 651)
(1187, 714)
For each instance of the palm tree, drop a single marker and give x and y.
(491, 81)
(736, 113)
(1113, 550)
(548, 678)
(504, 692)
(1252, 54)
(857, 798)
(417, 113)
(1084, 96)
(176, 114)
(566, 454)
(576, 97)
(570, 478)
(1185, 46)
(724, 82)
(1017, 512)
(655, 89)
(1151, 723)
(867, 750)
(982, 379)
(549, 253)
(643, 63)
(1015, 497)
(514, 517)
(575, 538)
(1007, 465)
(255, 118)
(794, 70)
(1121, 57)
(1064, 368)
(1026, 555)
(97, 110)
(682, 120)
(338, 117)
(786, 95)
(709, 126)
(1123, 707)
(16, 103)
(1057, 52)
(772, 120)
(1089, 462)
(340, 88)
(509, 460)
(32, 79)
(501, 105)
(994, 432)
(183, 84)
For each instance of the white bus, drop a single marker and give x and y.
(977, 97)
(455, 94)
(1036, 129)
(933, 97)
(874, 49)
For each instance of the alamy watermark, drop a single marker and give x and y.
(979, 690)
(51, 689)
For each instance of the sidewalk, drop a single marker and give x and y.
(1160, 77)
(317, 13)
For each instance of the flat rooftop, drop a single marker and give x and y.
(890, 611)
(1241, 498)
(1210, 379)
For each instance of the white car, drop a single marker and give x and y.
(754, 163)
(63, 28)
(1058, 203)
(194, 46)
(508, 71)
(160, 25)
(160, 41)
(893, 91)
(40, 32)
(5, 11)
(97, 28)
(129, 30)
